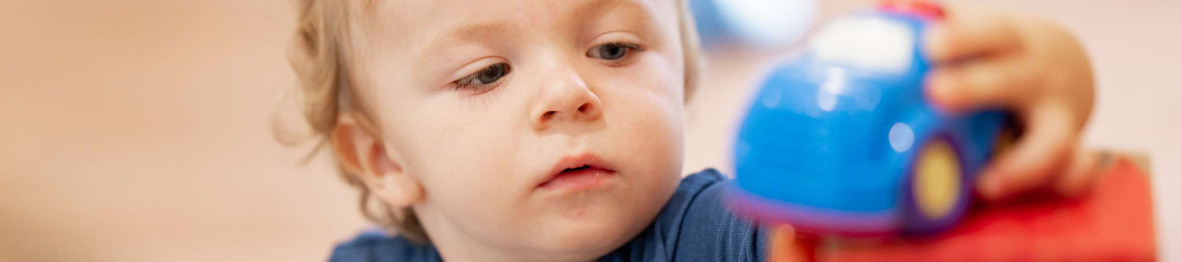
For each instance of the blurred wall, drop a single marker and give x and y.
(139, 130)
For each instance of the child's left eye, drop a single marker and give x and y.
(612, 51)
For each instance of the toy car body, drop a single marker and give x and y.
(842, 140)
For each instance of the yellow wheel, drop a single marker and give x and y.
(936, 183)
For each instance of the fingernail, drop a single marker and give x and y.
(935, 42)
(939, 88)
(940, 76)
(934, 79)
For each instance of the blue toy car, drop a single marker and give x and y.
(842, 140)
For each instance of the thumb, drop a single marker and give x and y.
(787, 247)
(1085, 168)
(1036, 158)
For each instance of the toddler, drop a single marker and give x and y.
(534, 130)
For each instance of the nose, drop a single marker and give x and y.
(565, 99)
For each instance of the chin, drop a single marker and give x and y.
(593, 234)
(599, 226)
(598, 230)
(597, 234)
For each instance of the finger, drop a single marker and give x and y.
(1084, 169)
(1036, 159)
(986, 83)
(786, 247)
(966, 33)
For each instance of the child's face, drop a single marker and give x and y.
(482, 101)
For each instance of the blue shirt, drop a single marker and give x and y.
(694, 225)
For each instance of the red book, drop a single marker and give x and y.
(1112, 222)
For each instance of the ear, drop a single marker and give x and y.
(361, 153)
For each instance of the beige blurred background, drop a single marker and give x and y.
(138, 130)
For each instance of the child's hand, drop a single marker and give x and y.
(1031, 67)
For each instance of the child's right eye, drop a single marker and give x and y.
(484, 79)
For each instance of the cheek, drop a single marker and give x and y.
(457, 164)
(655, 85)
(466, 154)
(647, 100)
(646, 107)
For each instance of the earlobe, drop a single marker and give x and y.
(397, 188)
(361, 153)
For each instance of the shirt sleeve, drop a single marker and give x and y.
(711, 232)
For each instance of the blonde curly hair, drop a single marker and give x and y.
(324, 92)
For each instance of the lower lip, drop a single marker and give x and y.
(578, 180)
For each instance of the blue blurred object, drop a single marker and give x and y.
(841, 139)
(757, 23)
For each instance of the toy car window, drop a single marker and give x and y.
(866, 42)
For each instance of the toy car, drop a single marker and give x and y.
(841, 139)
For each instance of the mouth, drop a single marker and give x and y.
(580, 172)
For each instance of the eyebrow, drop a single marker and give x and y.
(468, 34)
(598, 7)
(592, 8)
(500, 29)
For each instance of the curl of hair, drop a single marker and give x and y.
(316, 56)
